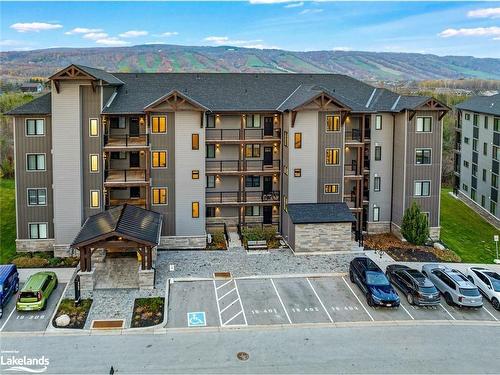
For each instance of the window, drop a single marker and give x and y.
(494, 180)
(210, 151)
(474, 170)
(285, 138)
(331, 188)
(159, 159)
(37, 230)
(485, 148)
(252, 211)
(376, 213)
(160, 196)
(496, 153)
(422, 188)
(475, 119)
(252, 181)
(254, 122)
(94, 163)
(484, 174)
(210, 182)
(493, 207)
(158, 124)
(332, 156)
(210, 212)
(297, 172)
(298, 140)
(195, 209)
(466, 140)
(474, 145)
(252, 151)
(496, 124)
(195, 174)
(467, 116)
(119, 155)
(35, 127)
(332, 123)
(483, 201)
(466, 164)
(93, 127)
(378, 122)
(424, 124)
(35, 162)
(465, 187)
(423, 156)
(95, 199)
(473, 194)
(37, 197)
(378, 153)
(486, 122)
(376, 184)
(195, 141)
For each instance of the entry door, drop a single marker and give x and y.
(268, 126)
(134, 161)
(267, 214)
(268, 156)
(133, 127)
(268, 184)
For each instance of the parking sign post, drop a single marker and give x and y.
(496, 238)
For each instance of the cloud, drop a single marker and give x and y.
(225, 41)
(133, 33)
(294, 5)
(341, 48)
(484, 13)
(112, 41)
(311, 11)
(477, 31)
(167, 34)
(95, 36)
(34, 26)
(270, 1)
(82, 30)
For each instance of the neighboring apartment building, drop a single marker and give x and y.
(477, 154)
(207, 149)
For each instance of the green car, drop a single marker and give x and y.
(36, 291)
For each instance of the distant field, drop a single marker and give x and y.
(7, 221)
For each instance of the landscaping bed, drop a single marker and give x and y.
(43, 259)
(148, 312)
(267, 234)
(77, 314)
(406, 252)
(218, 241)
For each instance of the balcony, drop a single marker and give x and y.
(352, 169)
(237, 166)
(353, 136)
(139, 202)
(125, 177)
(247, 134)
(119, 141)
(240, 197)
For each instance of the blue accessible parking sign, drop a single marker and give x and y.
(196, 319)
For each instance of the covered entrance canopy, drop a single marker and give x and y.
(122, 228)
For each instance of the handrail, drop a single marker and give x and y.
(239, 165)
(124, 175)
(127, 137)
(242, 196)
(240, 134)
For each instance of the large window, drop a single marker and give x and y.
(298, 140)
(376, 213)
(252, 151)
(285, 138)
(252, 181)
(378, 153)
(332, 123)
(423, 156)
(494, 181)
(253, 121)
(37, 197)
(160, 196)
(422, 188)
(159, 159)
(332, 156)
(331, 188)
(37, 231)
(195, 141)
(424, 124)
(195, 209)
(210, 212)
(475, 119)
(158, 124)
(496, 153)
(94, 163)
(117, 123)
(252, 211)
(496, 124)
(35, 162)
(95, 199)
(485, 148)
(378, 122)
(376, 183)
(210, 151)
(35, 127)
(94, 127)
(210, 181)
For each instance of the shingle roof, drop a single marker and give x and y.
(38, 106)
(127, 221)
(483, 104)
(314, 213)
(100, 74)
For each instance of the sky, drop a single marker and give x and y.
(441, 28)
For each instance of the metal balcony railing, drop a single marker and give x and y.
(353, 135)
(352, 169)
(241, 134)
(126, 140)
(240, 165)
(125, 175)
(242, 197)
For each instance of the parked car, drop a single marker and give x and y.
(488, 283)
(454, 286)
(373, 283)
(35, 293)
(418, 289)
(9, 284)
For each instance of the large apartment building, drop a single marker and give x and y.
(477, 154)
(207, 149)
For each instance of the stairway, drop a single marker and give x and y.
(234, 238)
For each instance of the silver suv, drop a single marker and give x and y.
(454, 286)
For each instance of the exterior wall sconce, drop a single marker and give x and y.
(217, 146)
(142, 153)
(141, 121)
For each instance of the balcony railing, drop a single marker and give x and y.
(353, 135)
(351, 169)
(125, 175)
(140, 202)
(241, 134)
(241, 165)
(126, 140)
(350, 200)
(242, 197)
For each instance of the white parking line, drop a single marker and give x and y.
(217, 300)
(241, 302)
(319, 299)
(232, 290)
(452, 317)
(282, 304)
(12, 312)
(363, 306)
(223, 285)
(493, 316)
(228, 306)
(237, 314)
(412, 318)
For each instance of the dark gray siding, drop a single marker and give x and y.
(399, 182)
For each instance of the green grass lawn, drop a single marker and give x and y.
(465, 232)
(7, 221)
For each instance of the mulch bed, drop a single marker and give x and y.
(148, 312)
(78, 314)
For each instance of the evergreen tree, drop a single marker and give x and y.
(415, 227)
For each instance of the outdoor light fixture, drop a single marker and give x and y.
(141, 121)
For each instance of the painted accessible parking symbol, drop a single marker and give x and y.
(196, 319)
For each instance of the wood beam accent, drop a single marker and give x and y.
(202, 115)
(412, 115)
(150, 258)
(343, 117)
(441, 115)
(94, 85)
(57, 85)
(143, 260)
(294, 117)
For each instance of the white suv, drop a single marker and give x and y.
(488, 282)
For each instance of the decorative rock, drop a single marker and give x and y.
(439, 246)
(63, 320)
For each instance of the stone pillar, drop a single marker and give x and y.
(87, 280)
(146, 279)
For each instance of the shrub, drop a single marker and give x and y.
(218, 241)
(30, 262)
(415, 226)
(258, 234)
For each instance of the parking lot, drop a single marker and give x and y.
(288, 301)
(34, 321)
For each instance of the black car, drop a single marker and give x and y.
(418, 289)
(373, 283)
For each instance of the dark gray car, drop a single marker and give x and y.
(417, 288)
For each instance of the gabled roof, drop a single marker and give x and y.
(176, 94)
(306, 93)
(98, 74)
(484, 104)
(315, 213)
(38, 106)
(127, 221)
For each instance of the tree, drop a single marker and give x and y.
(415, 227)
